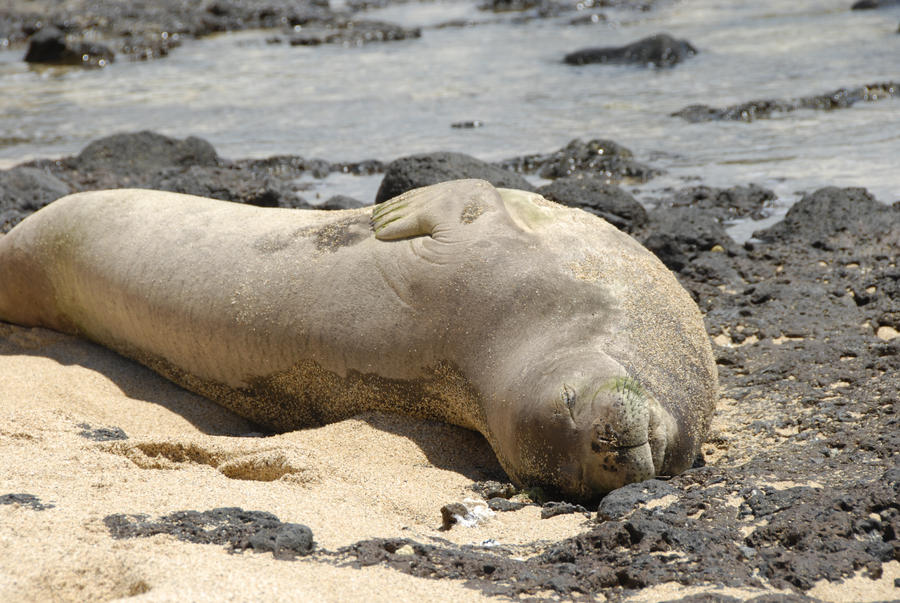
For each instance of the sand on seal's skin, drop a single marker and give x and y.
(372, 476)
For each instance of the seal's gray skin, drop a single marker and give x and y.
(562, 340)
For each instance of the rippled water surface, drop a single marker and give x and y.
(254, 99)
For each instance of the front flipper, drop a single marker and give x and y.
(434, 210)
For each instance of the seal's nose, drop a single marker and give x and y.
(624, 418)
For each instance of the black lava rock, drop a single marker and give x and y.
(501, 504)
(351, 33)
(415, 171)
(601, 158)
(190, 166)
(661, 50)
(841, 98)
(285, 541)
(489, 489)
(552, 509)
(821, 215)
(725, 204)
(451, 513)
(143, 152)
(678, 234)
(598, 197)
(24, 190)
(49, 45)
(101, 434)
(232, 526)
(872, 4)
(338, 202)
(25, 500)
(622, 501)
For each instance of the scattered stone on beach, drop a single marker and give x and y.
(414, 171)
(24, 500)
(598, 197)
(51, 46)
(841, 98)
(660, 50)
(101, 434)
(453, 514)
(232, 526)
(554, 508)
(501, 505)
(468, 513)
(601, 158)
(492, 489)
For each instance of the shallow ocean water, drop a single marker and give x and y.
(250, 98)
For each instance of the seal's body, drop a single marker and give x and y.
(567, 344)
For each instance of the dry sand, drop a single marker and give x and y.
(373, 476)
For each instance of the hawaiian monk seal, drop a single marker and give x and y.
(562, 340)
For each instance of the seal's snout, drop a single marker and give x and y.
(623, 415)
(621, 439)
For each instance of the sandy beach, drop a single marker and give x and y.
(369, 477)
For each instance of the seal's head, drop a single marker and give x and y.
(587, 436)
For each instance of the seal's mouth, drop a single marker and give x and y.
(602, 446)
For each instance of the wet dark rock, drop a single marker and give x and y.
(725, 204)
(661, 50)
(150, 29)
(451, 513)
(50, 45)
(552, 509)
(841, 98)
(143, 152)
(503, 6)
(872, 4)
(821, 217)
(24, 190)
(338, 202)
(679, 234)
(594, 195)
(416, 171)
(502, 504)
(467, 125)
(24, 500)
(366, 167)
(588, 19)
(527, 10)
(626, 499)
(601, 158)
(228, 183)
(232, 526)
(351, 33)
(151, 160)
(101, 434)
